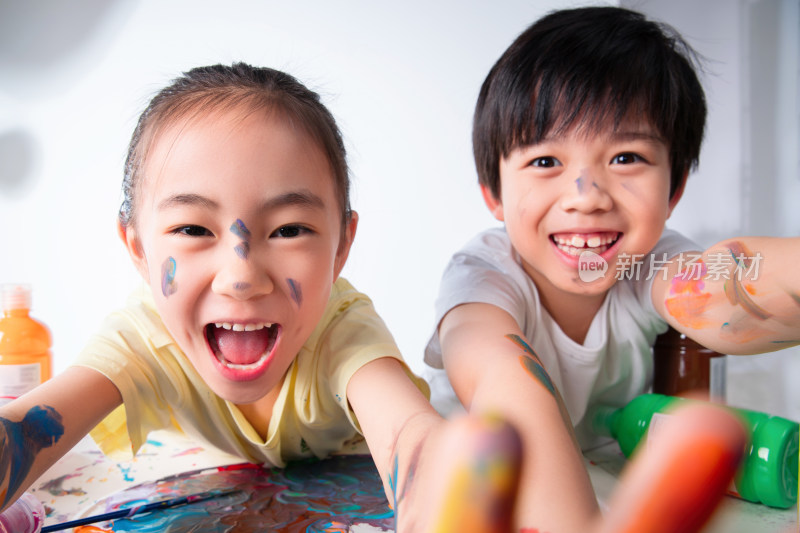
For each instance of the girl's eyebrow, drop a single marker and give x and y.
(300, 198)
(187, 199)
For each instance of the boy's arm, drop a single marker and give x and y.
(741, 296)
(494, 372)
(40, 427)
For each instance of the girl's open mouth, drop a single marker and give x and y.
(242, 350)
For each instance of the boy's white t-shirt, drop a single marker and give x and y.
(613, 365)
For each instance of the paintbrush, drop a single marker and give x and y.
(139, 509)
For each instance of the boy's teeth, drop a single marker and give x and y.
(578, 243)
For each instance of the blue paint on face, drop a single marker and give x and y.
(584, 185)
(296, 290)
(168, 269)
(241, 286)
(21, 441)
(240, 230)
(242, 249)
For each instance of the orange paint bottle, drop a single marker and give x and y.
(25, 357)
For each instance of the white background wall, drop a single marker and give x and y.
(402, 80)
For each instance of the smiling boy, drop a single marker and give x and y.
(584, 134)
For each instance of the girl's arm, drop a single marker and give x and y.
(741, 296)
(399, 426)
(439, 475)
(40, 427)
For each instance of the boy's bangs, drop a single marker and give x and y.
(590, 109)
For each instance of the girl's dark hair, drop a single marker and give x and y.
(220, 87)
(587, 67)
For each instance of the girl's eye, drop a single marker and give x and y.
(192, 231)
(626, 159)
(545, 162)
(289, 232)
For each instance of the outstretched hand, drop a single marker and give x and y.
(673, 485)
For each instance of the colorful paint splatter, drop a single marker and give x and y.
(21, 441)
(296, 291)
(479, 496)
(307, 496)
(240, 230)
(168, 283)
(532, 364)
(688, 300)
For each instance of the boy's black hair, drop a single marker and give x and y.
(585, 67)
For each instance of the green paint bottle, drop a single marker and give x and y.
(768, 473)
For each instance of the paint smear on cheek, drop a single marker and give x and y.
(168, 283)
(296, 291)
(688, 300)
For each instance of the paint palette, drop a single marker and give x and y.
(340, 494)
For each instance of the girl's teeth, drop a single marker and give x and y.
(242, 327)
(593, 242)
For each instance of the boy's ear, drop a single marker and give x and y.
(678, 194)
(131, 242)
(492, 202)
(345, 242)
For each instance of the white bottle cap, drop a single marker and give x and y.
(16, 296)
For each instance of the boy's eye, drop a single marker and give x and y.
(192, 231)
(626, 159)
(291, 231)
(545, 162)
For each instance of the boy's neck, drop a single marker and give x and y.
(573, 313)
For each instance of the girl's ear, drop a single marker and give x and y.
(678, 193)
(493, 203)
(345, 242)
(131, 242)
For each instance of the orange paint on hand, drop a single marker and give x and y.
(91, 529)
(688, 300)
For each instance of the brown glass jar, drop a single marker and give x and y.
(681, 365)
